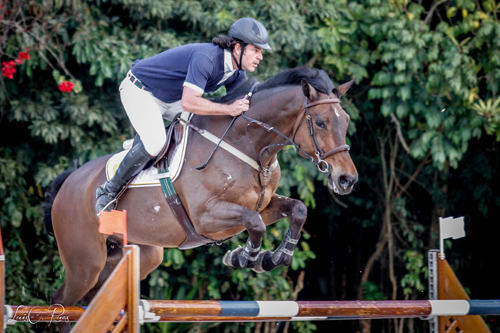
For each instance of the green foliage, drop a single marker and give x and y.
(490, 110)
(304, 326)
(426, 79)
(372, 292)
(416, 266)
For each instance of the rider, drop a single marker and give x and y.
(174, 81)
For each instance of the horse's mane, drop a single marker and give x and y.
(315, 77)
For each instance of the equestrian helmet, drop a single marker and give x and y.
(250, 31)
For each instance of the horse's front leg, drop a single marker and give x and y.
(278, 208)
(223, 215)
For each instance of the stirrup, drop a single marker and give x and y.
(106, 207)
(100, 192)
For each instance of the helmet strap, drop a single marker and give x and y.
(243, 45)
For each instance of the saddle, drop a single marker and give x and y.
(176, 137)
(172, 152)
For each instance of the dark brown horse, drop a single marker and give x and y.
(222, 200)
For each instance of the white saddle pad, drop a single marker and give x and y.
(149, 177)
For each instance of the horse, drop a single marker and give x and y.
(298, 107)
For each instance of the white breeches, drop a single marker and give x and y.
(146, 113)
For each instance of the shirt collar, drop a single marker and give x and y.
(228, 66)
(228, 62)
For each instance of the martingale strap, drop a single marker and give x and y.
(193, 238)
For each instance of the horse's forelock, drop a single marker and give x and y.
(317, 78)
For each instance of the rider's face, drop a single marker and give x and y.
(251, 57)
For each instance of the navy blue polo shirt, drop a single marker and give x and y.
(202, 67)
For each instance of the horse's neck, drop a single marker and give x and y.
(282, 118)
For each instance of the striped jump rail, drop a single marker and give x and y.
(187, 311)
(246, 311)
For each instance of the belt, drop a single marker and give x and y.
(136, 81)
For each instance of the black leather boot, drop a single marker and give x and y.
(133, 163)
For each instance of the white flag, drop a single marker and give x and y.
(450, 227)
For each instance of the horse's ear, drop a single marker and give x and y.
(342, 89)
(309, 91)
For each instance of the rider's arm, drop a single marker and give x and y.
(193, 102)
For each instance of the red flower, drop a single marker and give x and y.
(8, 71)
(24, 55)
(66, 86)
(9, 67)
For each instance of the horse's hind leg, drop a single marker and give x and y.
(278, 208)
(82, 272)
(114, 254)
(150, 258)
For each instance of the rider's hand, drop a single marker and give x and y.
(238, 106)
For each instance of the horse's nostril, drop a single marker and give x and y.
(344, 182)
(347, 180)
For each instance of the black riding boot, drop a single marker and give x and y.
(133, 163)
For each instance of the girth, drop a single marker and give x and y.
(193, 238)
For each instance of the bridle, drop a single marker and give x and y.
(321, 164)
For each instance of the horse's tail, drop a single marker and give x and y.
(50, 195)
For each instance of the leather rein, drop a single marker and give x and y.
(265, 171)
(323, 166)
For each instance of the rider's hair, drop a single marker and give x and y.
(225, 42)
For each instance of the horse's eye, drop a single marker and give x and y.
(320, 124)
